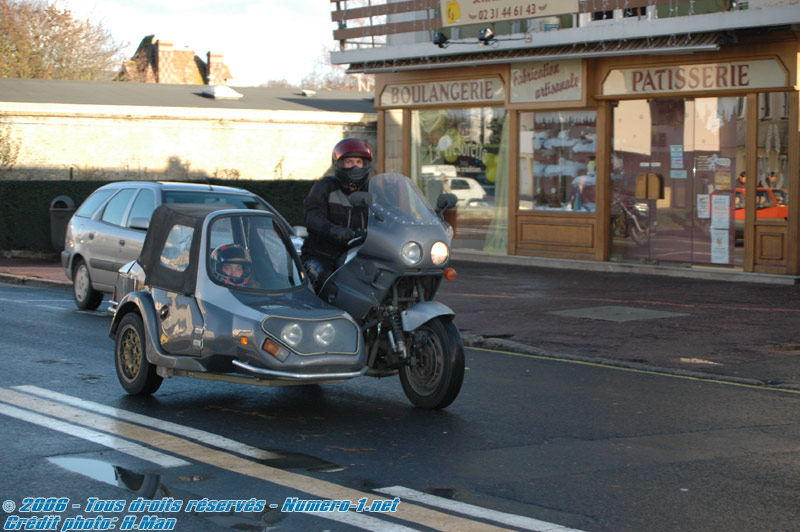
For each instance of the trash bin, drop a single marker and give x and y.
(61, 210)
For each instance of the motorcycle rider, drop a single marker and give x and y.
(333, 224)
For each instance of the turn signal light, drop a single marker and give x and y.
(271, 347)
(450, 274)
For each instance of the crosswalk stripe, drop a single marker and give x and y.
(106, 440)
(519, 521)
(181, 430)
(226, 461)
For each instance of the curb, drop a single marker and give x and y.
(499, 344)
(34, 281)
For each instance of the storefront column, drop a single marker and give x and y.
(793, 229)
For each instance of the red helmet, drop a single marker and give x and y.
(355, 176)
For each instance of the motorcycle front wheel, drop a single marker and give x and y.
(434, 379)
(639, 235)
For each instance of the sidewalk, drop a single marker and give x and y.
(744, 332)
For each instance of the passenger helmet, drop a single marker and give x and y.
(355, 177)
(231, 254)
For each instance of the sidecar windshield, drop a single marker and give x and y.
(250, 252)
(397, 198)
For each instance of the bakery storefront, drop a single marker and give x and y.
(681, 159)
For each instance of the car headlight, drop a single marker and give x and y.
(292, 334)
(440, 253)
(324, 334)
(411, 253)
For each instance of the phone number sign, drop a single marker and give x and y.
(463, 12)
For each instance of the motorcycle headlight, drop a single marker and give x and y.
(440, 253)
(292, 334)
(411, 253)
(324, 334)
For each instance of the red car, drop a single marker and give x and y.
(771, 204)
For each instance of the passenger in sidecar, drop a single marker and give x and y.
(220, 294)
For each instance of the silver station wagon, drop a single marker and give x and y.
(109, 228)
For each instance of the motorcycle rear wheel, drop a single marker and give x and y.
(434, 381)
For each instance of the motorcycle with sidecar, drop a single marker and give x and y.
(176, 313)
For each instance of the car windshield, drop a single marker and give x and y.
(396, 197)
(250, 252)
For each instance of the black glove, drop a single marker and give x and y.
(342, 235)
(359, 235)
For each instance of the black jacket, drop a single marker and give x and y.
(327, 210)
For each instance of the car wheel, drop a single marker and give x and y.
(86, 297)
(135, 373)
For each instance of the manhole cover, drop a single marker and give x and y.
(616, 313)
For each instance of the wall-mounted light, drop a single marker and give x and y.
(486, 36)
(440, 39)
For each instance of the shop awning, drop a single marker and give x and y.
(673, 44)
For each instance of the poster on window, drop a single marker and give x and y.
(720, 211)
(720, 251)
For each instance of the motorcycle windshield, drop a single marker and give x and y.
(397, 198)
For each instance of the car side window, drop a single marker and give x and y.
(115, 208)
(93, 202)
(175, 254)
(459, 184)
(143, 206)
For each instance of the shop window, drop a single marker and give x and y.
(464, 152)
(773, 157)
(602, 15)
(558, 161)
(765, 106)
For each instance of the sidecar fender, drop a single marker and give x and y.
(419, 313)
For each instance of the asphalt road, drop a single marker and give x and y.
(531, 443)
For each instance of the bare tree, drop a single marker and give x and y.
(40, 40)
(335, 77)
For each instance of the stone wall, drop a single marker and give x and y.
(113, 142)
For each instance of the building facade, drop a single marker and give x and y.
(601, 130)
(146, 131)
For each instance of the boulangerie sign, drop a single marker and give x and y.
(484, 90)
(735, 75)
(547, 81)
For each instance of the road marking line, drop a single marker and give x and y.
(226, 461)
(711, 379)
(49, 307)
(519, 521)
(363, 521)
(166, 426)
(118, 444)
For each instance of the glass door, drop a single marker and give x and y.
(673, 166)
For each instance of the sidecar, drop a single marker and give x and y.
(220, 294)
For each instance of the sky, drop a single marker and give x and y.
(260, 40)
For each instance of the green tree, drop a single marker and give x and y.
(38, 39)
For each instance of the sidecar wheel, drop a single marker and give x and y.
(434, 381)
(135, 373)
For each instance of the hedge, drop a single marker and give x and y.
(25, 205)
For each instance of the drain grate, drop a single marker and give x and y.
(616, 313)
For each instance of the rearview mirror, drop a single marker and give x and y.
(140, 223)
(360, 199)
